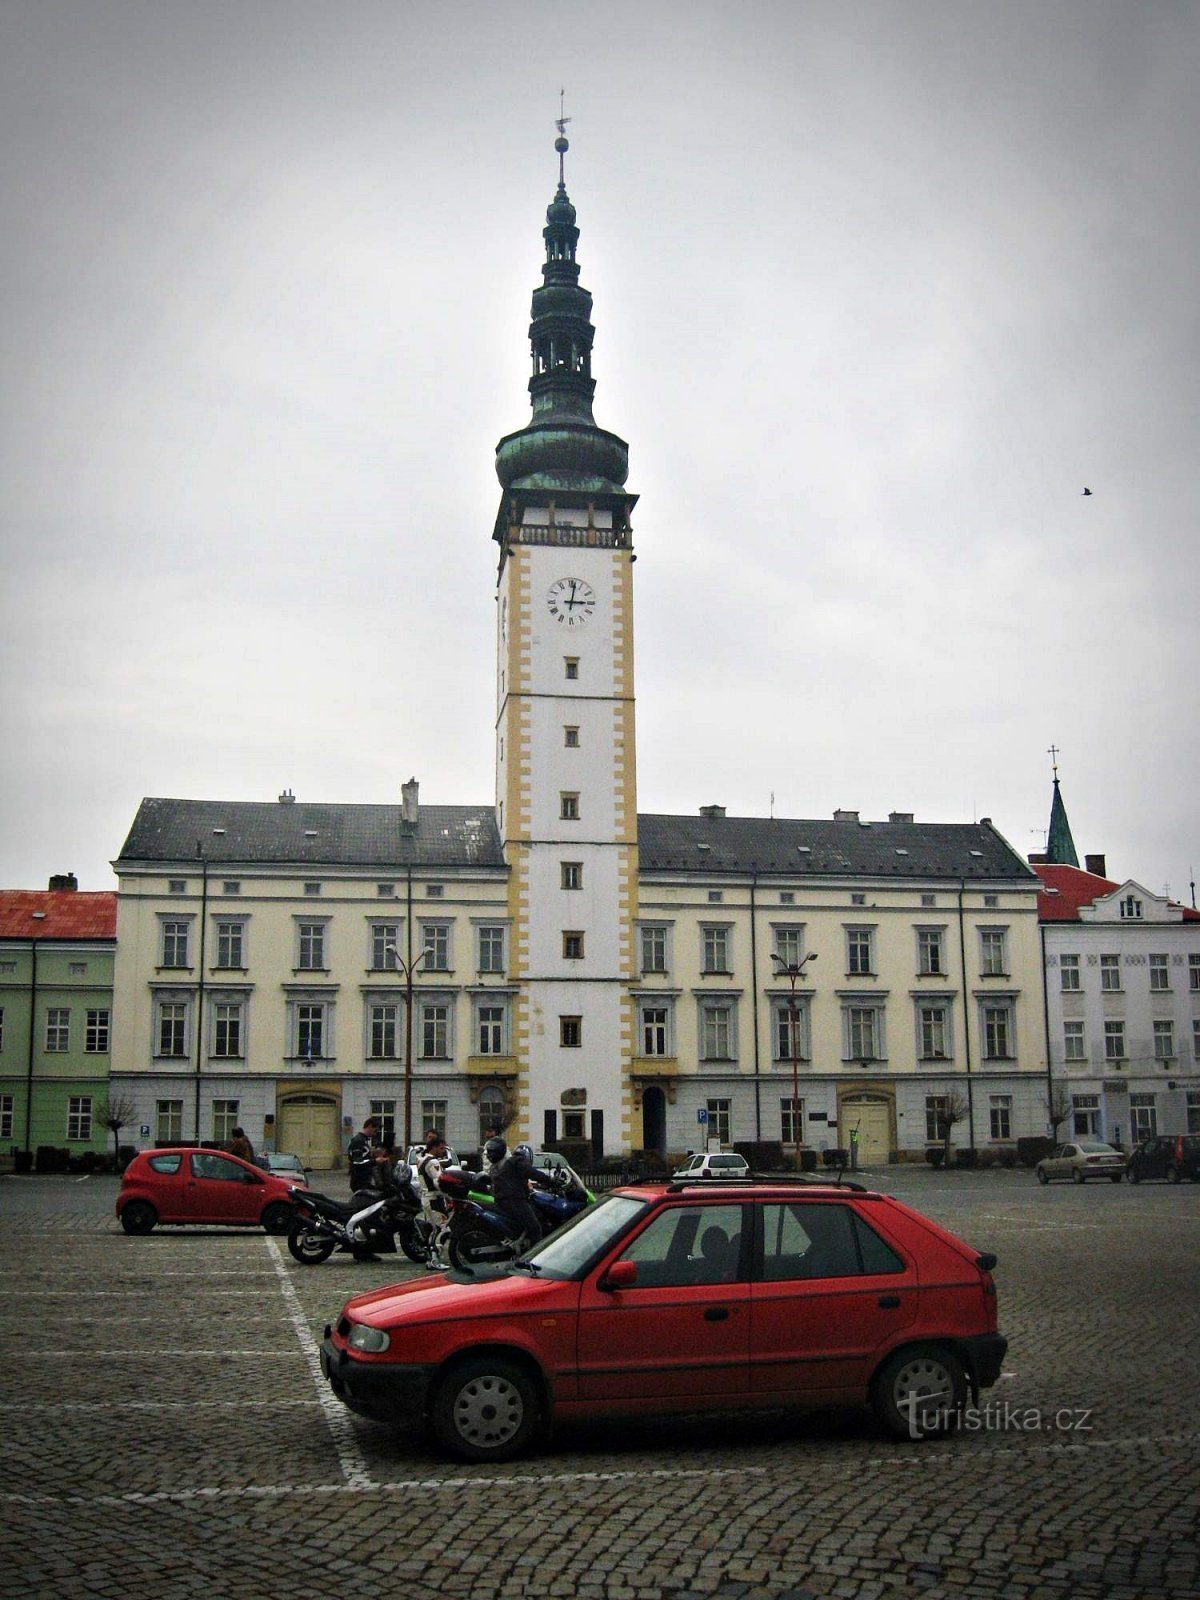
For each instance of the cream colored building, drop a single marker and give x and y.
(577, 971)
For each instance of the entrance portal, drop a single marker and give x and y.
(308, 1127)
(654, 1119)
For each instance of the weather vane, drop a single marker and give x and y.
(560, 144)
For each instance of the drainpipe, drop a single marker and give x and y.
(962, 952)
(200, 986)
(32, 1035)
(754, 992)
(1046, 1026)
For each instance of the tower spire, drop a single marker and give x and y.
(1060, 846)
(561, 447)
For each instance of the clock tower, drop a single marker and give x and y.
(566, 792)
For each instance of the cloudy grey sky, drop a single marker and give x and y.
(880, 287)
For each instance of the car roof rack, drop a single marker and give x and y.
(784, 1180)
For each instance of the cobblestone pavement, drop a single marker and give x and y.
(167, 1435)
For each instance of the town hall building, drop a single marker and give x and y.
(555, 962)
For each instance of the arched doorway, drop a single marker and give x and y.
(654, 1119)
(308, 1126)
(872, 1116)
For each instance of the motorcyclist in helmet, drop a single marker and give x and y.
(511, 1178)
(494, 1152)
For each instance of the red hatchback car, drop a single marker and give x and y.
(201, 1186)
(684, 1297)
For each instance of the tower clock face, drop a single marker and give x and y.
(571, 601)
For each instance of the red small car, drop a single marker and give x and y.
(207, 1186)
(686, 1296)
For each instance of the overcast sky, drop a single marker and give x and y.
(879, 289)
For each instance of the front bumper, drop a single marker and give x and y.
(389, 1392)
(984, 1354)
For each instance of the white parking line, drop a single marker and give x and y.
(350, 1459)
(900, 1460)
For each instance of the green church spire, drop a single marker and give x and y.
(561, 447)
(1060, 847)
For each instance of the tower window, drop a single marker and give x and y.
(572, 874)
(572, 946)
(571, 738)
(571, 664)
(569, 807)
(570, 1032)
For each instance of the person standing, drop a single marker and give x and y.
(239, 1145)
(361, 1154)
(433, 1205)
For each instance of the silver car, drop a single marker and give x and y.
(1081, 1160)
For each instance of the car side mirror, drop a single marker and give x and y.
(621, 1275)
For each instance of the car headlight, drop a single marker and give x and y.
(371, 1340)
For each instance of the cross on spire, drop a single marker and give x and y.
(1053, 754)
(560, 144)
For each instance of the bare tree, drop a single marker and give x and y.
(1059, 1106)
(115, 1113)
(953, 1109)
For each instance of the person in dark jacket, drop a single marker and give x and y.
(239, 1145)
(511, 1178)
(361, 1154)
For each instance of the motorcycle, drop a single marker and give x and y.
(371, 1222)
(479, 1233)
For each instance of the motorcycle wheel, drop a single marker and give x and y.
(475, 1247)
(308, 1247)
(413, 1248)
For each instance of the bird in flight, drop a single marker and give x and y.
(1087, 491)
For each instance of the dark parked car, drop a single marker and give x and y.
(687, 1296)
(1167, 1155)
(205, 1186)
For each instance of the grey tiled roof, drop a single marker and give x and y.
(302, 834)
(827, 849)
(299, 834)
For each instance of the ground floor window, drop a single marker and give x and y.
(718, 1120)
(168, 1121)
(433, 1117)
(1143, 1117)
(1085, 1110)
(493, 1114)
(384, 1112)
(1193, 1110)
(791, 1120)
(79, 1117)
(1000, 1114)
(6, 1116)
(225, 1119)
(935, 1117)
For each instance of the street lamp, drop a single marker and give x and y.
(793, 971)
(408, 968)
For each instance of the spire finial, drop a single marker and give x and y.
(1053, 754)
(561, 144)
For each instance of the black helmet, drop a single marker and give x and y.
(524, 1150)
(495, 1150)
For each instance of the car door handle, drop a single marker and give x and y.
(889, 1302)
(716, 1314)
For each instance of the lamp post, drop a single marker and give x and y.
(408, 968)
(793, 971)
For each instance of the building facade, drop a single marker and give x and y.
(555, 963)
(56, 998)
(1122, 1004)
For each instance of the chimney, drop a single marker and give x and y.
(408, 803)
(900, 816)
(713, 813)
(287, 798)
(1096, 865)
(845, 816)
(64, 880)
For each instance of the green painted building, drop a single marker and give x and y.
(57, 948)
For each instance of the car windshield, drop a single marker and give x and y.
(573, 1248)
